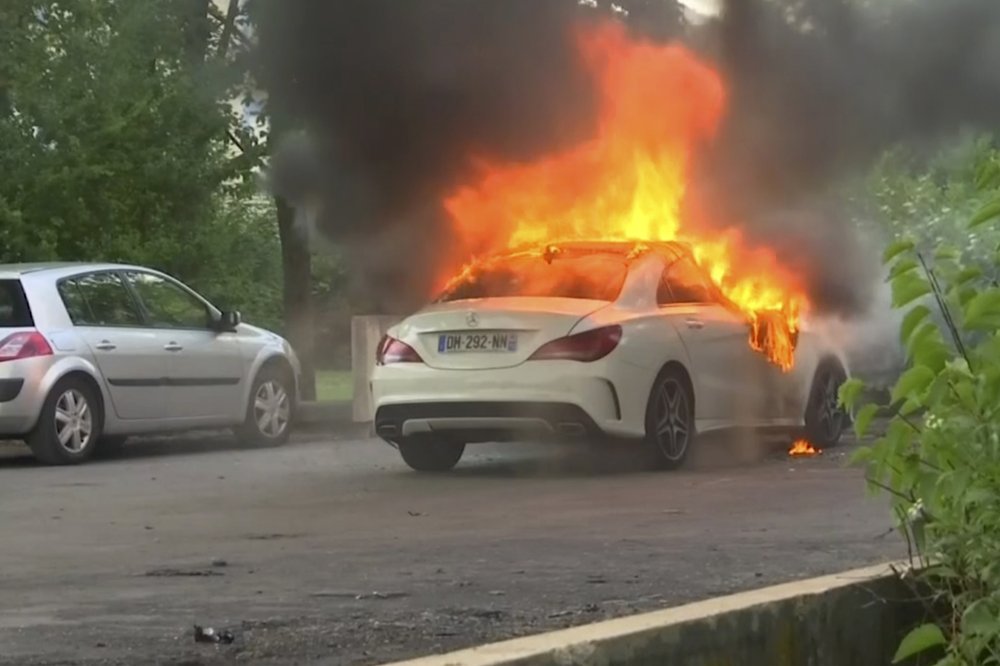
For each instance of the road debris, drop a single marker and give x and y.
(359, 596)
(210, 635)
(169, 572)
(219, 562)
(488, 614)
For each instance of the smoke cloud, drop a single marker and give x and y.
(397, 98)
(818, 89)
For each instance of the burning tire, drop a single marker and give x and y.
(670, 419)
(825, 419)
(425, 454)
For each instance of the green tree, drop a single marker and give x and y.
(121, 143)
(940, 456)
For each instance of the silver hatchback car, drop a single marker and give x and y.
(93, 353)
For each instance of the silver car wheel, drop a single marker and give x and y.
(272, 409)
(673, 429)
(74, 421)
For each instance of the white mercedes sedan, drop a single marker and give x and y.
(611, 343)
(93, 353)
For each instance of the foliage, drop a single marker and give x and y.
(119, 140)
(940, 455)
(931, 200)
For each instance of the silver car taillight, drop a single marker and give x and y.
(26, 344)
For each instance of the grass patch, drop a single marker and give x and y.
(334, 385)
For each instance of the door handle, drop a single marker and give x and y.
(172, 347)
(695, 323)
(106, 345)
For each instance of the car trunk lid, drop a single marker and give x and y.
(491, 333)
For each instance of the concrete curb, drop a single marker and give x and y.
(331, 418)
(830, 620)
(325, 413)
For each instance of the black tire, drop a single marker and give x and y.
(825, 419)
(110, 446)
(670, 426)
(425, 454)
(272, 394)
(69, 425)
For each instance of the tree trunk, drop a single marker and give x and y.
(296, 265)
(197, 29)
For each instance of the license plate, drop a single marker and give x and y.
(456, 343)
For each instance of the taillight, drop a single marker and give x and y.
(391, 350)
(28, 344)
(586, 347)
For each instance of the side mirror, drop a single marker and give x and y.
(229, 320)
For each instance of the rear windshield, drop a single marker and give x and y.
(14, 312)
(596, 276)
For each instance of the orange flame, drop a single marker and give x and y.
(658, 105)
(803, 448)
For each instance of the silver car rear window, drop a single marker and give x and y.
(14, 310)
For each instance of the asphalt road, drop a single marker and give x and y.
(333, 550)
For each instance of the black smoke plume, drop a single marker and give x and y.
(396, 96)
(818, 89)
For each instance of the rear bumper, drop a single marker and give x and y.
(20, 397)
(485, 421)
(560, 398)
(10, 389)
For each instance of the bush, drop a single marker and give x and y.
(940, 456)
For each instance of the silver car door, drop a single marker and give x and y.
(127, 353)
(205, 371)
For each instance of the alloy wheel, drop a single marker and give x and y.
(74, 421)
(673, 416)
(830, 413)
(272, 409)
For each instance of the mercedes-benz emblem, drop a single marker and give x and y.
(472, 319)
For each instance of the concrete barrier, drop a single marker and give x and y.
(852, 618)
(366, 333)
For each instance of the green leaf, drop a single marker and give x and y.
(907, 288)
(896, 249)
(914, 380)
(926, 347)
(987, 175)
(910, 321)
(909, 406)
(850, 391)
(946, 252)
(863, 419)
(968, 274)
(902, 266)
(983, 311)
(862, 455)
(979, 620)
(919, 640)
(987, 213)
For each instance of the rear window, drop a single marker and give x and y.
(14, 310)
(595, 276)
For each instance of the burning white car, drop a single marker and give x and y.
(601, 340)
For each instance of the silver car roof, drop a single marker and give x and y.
(58, 270)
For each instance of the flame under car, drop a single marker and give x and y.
(604, 340)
